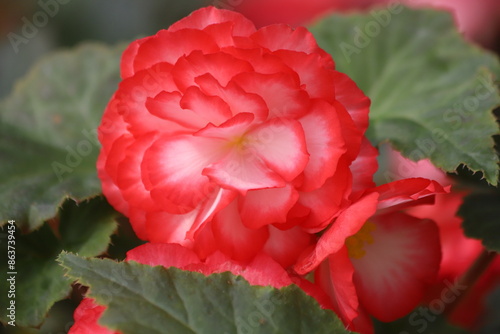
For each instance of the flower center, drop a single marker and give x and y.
(355, 244)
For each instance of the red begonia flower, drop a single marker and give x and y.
(86, 317)
(375, 260)
(458, 251)
(225, 137)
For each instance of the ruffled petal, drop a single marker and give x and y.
(232, 131)
(174, 165)
(128, 56)
(363, 168)
(266, 206)
(221, 33)
(280, 91)
(335, 276)
(319, 81)
(166, 105)
(399, 194)
(164, 227)
(281, 144)
(110, 190)
(207, 16)
(112, 124)
(167, 46)
(241, 171)
(325, 144)
(221, 66)
(233, 238)
(212, 108)
(283, 37)
(236, 98)
(133, 93)
(398, 265)
(348, 223)
(325, 203)
(261, 60)
(353, 99)
(352, 135)
(286, 246)
(129, 174)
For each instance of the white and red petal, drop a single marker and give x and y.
(281, 144)
(212, 108)
(286, 246)
(166, 105)
(215, 201)
(325, 144)
(233, 238)
(348, 223)
(167, 46)
(280, 91)
(164, 227)
(132, 96)
(398, 265)
(236, 98)
(222, 66)
(243, 171)
(204, 17)
(174, 167)
(266, 206)
(232, 130)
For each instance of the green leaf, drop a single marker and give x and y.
(432, 92)
(481, 214)
(84, 228)
(145, 299)
(48, 142)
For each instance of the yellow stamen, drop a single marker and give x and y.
(355, 244)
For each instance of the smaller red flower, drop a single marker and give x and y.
(373, 259)
(86, 317)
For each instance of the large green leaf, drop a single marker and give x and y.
(432, 92)
(48, 142)
(84, 228)
(481, 214)
(145, 299)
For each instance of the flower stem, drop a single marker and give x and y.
(471, 276)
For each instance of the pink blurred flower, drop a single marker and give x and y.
(479, 20)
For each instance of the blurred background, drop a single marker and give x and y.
(30, 29)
